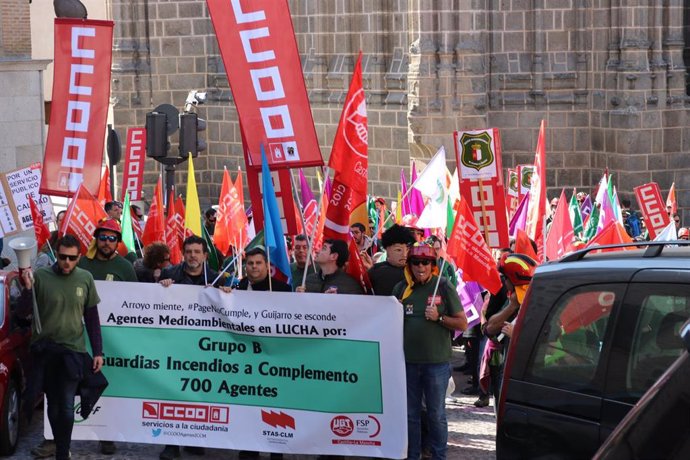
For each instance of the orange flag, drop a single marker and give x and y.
(523, 245)
(242, 223)
(470, 252)
(82, 216)
(613, 233)
(104, 194)
(230, 218)
(154, 230)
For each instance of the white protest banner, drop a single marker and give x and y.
(17, 186)
(261, 371)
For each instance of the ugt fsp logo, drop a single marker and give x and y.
(476, 150)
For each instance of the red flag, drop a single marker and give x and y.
(355, 267)
(83, 214)
(172, 237)
(536, 212)
(321, 222)
(104, 194)
(79, 110)
(613, 233)
(470, 252)
(349, 153)
(155, 224)
(40, 228)
(671, 200)
(559, 241)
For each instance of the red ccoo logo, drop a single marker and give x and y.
(278, 419)
(342, 426)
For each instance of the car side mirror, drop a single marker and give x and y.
(685, 334)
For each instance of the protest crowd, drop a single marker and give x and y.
(457, 250)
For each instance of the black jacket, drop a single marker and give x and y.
(316, 282)
(178, 274)
(277, 285)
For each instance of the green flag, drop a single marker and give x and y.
(450, 219)
(127, 232)
(592, 223)
(258, 240)
(214, 257)
(575, 215)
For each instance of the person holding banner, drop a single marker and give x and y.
(257, 273)
(432, 309)
(66, 301)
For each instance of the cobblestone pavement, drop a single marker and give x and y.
(471, 435)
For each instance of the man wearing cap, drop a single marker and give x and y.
(102, 259)
(385, 275)
(431, 309)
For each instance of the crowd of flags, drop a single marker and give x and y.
(432, 197)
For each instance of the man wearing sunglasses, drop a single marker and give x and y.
(431, 310)
(102, 259)
(65, 296)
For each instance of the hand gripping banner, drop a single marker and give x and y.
(81, 92)
(257, 43)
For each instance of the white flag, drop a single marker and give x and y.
(432, 183)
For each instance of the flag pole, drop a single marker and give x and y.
(438, 281)
(326, 173)
(268, 256)
(402, 198)
(298, 202)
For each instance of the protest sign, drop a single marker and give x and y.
(16, 188)
(262, 371)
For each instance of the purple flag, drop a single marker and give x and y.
(305, 190)
(472, 301)
(405, 205)
(586, 208)
(327, 187)
(416, 199)
(519, 219)
(606, 212)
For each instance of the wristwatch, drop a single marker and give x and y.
(440, 319)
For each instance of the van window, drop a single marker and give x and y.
(656, 342)
(572, 339)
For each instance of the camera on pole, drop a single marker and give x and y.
(190, 126)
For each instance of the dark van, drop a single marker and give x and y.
(595, 331)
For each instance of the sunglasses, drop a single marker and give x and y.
(69, 257)
(420, 262)
(111, 238)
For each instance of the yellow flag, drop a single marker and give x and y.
(398, 209)
(192, 218)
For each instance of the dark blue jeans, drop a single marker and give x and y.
(60, 389)
(427, 382)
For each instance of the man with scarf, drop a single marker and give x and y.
(432, 310)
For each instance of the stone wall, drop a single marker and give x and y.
(15, 29)
(609, 80)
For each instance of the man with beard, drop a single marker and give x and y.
(193, 270)
(385, 275)
(105, 263)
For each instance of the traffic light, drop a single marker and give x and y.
(190, 126)
(157, 144)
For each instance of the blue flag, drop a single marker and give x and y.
(273, 230)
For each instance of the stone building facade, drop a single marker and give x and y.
(607, 75)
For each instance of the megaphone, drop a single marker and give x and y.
(23, 247)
